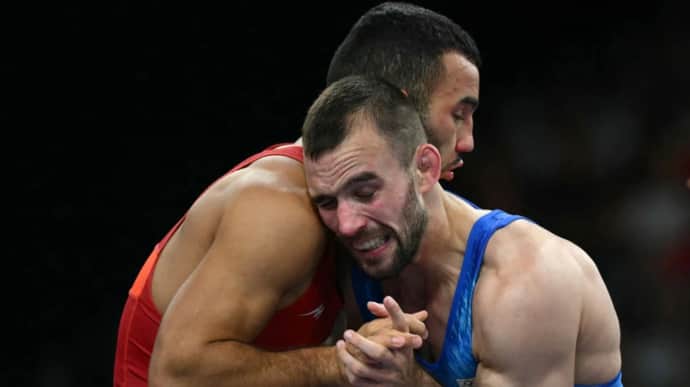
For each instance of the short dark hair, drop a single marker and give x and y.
(404, 44)
(349, 100)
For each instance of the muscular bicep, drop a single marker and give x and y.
(526, 319)
(265, 246)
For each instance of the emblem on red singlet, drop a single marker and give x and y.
(316, 313)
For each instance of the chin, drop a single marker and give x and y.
(381, 272)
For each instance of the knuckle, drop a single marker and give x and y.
(360, 372)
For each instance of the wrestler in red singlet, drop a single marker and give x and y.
(306, 322)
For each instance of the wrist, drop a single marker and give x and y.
(339, 375)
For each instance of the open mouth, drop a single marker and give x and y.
(370, 244)
(448, 174)
(459, 162)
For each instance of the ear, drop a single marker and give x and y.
(428, 161)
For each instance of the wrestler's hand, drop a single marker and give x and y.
(386, 356)
(393, 329)
(412, 323)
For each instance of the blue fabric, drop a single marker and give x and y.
(456, 362)
(616, 382)
(366, 289)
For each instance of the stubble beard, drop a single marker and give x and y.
(415, 219)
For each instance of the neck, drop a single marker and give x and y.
(445, 238)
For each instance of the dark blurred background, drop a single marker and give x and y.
(122, 113)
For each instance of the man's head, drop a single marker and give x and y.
(429, 56)
(367, 165)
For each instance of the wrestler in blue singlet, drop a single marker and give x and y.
(456, 365)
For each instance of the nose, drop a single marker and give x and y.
(465, 142)
(349, 220)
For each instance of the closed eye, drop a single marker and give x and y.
(325, 203)
(364, 194)
(466, 108)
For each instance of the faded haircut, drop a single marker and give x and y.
(343, 105)
(404, 44)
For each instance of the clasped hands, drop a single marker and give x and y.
(381, 352)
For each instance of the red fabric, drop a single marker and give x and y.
(309, 320)
(306, 322)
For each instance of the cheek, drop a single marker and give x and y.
(329, 219)
(388, 209)
(452, 130)
(444, 131)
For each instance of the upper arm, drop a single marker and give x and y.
(267, 243)
(526, 317)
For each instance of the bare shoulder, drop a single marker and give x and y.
(541, 297)
(529, 289)
(272, 173)
(263, 214)
(271, 188)
(525, 248)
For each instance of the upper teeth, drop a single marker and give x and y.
(371, 243)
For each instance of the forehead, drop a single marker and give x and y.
(363, 151)
(459, 80)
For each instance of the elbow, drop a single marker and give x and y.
(162, 373)
(172, 364)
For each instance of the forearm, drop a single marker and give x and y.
(232, 363)
(423, 378)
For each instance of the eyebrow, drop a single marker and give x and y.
(363, 177)
(472, 101)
